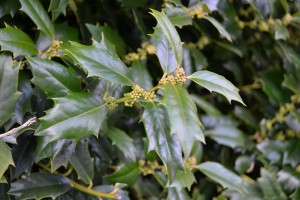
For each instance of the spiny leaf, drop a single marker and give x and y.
(75, 116)
(17, 42)
(157, 127)
(100, 62)
(8, 87)
(170, 33)
(217, 83)
(223, 176)
(5, 157)
(183, 116)
(164, 52)
(40, 185)
(122, 141)
(34, 9)
(58, 7)
(51, 76)
(219, 27)
(83, 163)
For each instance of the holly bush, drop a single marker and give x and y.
(140, 99)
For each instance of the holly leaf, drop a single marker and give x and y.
(219, 27)
(51, 76)
(223, 176)
(170, 34)
(40, 185)
(126, 173)
(34, 9)
(17, 42)
(156, 123)
(100, 62)
(183, 116)
(5, 157)
(217, 83)
(75, 116)
(164, 51)
(122, 141)
(58, 7)
(8, 87)
(141, 75)
(85, 170)
(178, 16)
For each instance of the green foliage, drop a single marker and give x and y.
(117, 92)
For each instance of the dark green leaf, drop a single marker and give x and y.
(17, 42)
(157, 127)
(83, 163)
(130, 4)
(51, 76)
(126, 173)
(270, 186)
(8, 87)
(289, 178)
(170, 33)
(200, 60)
(177, 194)
(217, 83)
(246, 116)
(178, 16)
(57, 7)
(110, 34)
(9, 7)
(34, 9)
(5, 157)
(100, 62)
(23, 155)
(223, 176)
(292, 152)
(183, 180)
(229, 47)
(75, 116)
(62, 151)
(122, 141)
(40, 185)
(227, 135)
(183, 116)
(219, 27)
(164, 51)
(289, 54)
(206, 106)
(141, 75)
(281, 32)
(292, 81)
(242, 164)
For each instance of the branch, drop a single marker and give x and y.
(15, 130)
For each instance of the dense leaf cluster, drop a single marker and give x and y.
(140, 99)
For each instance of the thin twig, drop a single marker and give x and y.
(15, 130)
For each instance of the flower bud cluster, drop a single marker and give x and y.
(52, 51)
(111, 102)
(148, 167)
(190, 163)
(198, 12)
(179, 78)
(141, 54)
(136, 93)
(201, 43)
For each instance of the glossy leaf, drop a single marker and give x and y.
(51, 76)
(272, 149)
(200, 60)
(289, 178)
(17, 42)
(8, 87)
(219, 27)
(126, 173)
(223, 176)
(122, 141)
(177, 194)
(75, 116)
(141, 75)
(217, 83)
(170, 33)
(164, 51)
(100, 62)
(178, 16)
(156, 123)
(40, 185)
(110, 34)
(183, 116)
(58, 7)
(245, 115)
(230, 47)
(206, 106)
(227, 135)
(83, 163)
(270, 186)
(62, 151)
(9, 7)
(5, 157)
(34, 9)
(289, 54)
(183, 180)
